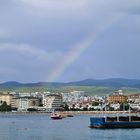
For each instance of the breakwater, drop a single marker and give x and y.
(94, 112)
(68, 113)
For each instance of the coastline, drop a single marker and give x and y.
(95, 112)
(69, 113)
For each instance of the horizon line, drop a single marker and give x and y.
(65, 81)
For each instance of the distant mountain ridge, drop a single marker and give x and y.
(114, 82)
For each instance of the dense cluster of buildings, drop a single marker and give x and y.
(115, 101)
(32, 101)
(75, 100)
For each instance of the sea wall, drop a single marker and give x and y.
(68, 113)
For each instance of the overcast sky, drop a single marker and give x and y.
(68, 40)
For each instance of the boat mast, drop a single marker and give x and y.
(129, 113)
(117, 117)
(123, 107)
(106, 108)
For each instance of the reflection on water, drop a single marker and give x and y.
(29, 127)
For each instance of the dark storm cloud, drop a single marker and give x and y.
(36, 34)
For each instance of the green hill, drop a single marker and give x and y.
(90, 86)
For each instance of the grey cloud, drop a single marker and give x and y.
(36, 34)
(26, 62)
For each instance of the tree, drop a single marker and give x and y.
(85, 109)
(66, 107)
(32, 109)
(95, 103)
(124, 106)
(5, 107)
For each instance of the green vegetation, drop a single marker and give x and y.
(95, 103)
(31, 109)
(4, 107)
(89, 90)
(124, 106)
(65, 107)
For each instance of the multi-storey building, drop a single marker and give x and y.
(6, 98)
(52, 101)
(117, 97)
(23, 103)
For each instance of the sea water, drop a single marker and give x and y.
(41, 127)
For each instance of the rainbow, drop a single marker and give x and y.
(68, 59)
(77, 50)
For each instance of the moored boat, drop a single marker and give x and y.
(69, 115)
(115, 122)
(56, 116)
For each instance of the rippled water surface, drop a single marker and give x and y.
(41, 127)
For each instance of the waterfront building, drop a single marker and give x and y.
(117, 97)
(52, 101)
(115, 106)
(24, 103)
(135, 106)
(6, 97)
(134, 98)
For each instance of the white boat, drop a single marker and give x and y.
(56, 116)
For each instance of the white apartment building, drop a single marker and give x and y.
(23, 103)
(5, 98)
(52, 101)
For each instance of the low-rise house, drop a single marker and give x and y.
(135, 106)
(134, 98)
(115, 106)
